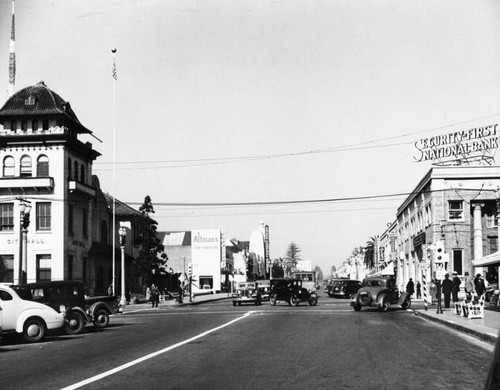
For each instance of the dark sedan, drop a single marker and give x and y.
(344, 288)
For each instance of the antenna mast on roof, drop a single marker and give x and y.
(12, 55)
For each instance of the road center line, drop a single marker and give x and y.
(151, 355)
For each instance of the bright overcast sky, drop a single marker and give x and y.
(202, 82)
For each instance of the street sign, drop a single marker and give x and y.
(424, 265)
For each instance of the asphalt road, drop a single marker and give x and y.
(218, 346)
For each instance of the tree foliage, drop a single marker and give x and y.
(152, 258)
(293, 256)
(319, 274)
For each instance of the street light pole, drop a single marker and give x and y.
(123, 234)
(24, 208)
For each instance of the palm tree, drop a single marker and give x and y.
(370, 253)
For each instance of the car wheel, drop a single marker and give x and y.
(385, 305)
(272, 300)
(313, 300)
(33, 330)
(406, 304)
(101, 318)
(294, 300)
(357, 308)
(74, 323)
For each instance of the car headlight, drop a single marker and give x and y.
(62, 310)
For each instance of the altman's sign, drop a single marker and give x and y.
(461, 147)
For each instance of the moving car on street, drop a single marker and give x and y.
(344, 288)
(69, 297)
(30, 319)
(248, 292)
(291, 291)
(380, 292)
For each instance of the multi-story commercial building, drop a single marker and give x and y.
(454, 208)
(67, 234)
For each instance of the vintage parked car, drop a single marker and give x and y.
(248, 292)
(344, 288)
(69, 297)
(380, 292)
(291, 291)
(30, 319)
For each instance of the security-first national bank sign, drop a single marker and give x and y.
(459, 148)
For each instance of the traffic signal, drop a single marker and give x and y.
(190, 269)
(439, 251)
(26, 220)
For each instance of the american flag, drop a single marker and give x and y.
(12, 55)
(115, 74)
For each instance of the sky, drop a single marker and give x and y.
(302, 114)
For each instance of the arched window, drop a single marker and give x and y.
(69, 168)
(24, 125)
(26, 169)
(13, 126)
(34, 125)
(9, 166)
(75, 173)
(45, 124)
(82, 174)
(104, 232)
(42, 166)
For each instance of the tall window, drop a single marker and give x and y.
(34, 125)
(43, 268)
(84, 269)
(26, 170)
(6, 268)
(6, 217)
(85, 218)
(71, 260)
(75, 174)
(455, 209)
(82, 174)
(104, 232)
(9, 167)
(69, 168)
(492, 244)
(457, 261)
(42, 166)
(45, 124)
(24, 125)
(70, 220)
(13, 126)
(43, 216)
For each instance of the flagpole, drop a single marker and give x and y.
(12, 54)
(114, 160)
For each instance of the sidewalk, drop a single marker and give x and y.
(170, 303)
(486, 329)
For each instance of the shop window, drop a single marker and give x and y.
(9, 167)
(43, 268)
(43, 216)
(455, 210)
(42, 166)
(26, 169)
(6, 217)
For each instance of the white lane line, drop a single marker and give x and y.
(151, 355)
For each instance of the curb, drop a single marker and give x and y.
(480, 335)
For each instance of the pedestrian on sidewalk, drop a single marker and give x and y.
(410, 287)
(155, 295)
(433, 292)
(181, 292)
(480, 285)
(148, 294)
(469, 285)
(456, 287)
(419, 290)
(447, 286)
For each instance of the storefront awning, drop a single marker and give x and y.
(494, 258)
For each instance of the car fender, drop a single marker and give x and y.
(30, 313)
(380, 297)
(98, 306)
(402, 298)
(81, 311)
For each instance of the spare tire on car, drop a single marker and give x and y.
(364, 298)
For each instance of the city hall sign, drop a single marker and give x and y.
(459, 148)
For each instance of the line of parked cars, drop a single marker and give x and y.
(32, 309)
